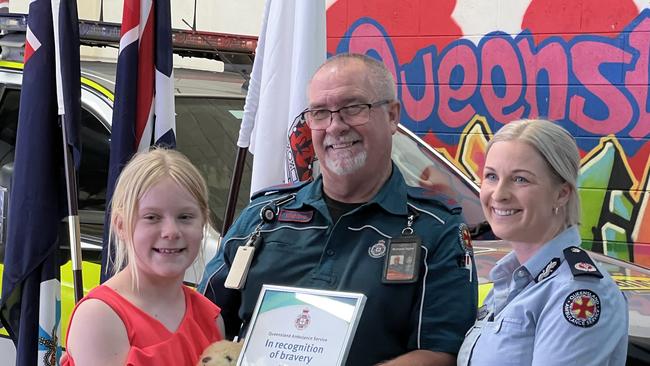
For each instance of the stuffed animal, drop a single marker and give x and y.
(221, 353)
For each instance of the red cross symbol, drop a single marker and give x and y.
(583, 307)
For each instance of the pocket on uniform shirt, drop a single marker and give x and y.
(280, 246)
(514, 340)
(510, 324)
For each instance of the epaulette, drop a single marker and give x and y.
(580, 263)
(280, 188)
(437, 198)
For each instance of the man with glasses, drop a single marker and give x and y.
(345, 230)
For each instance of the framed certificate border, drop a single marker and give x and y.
(339, 314)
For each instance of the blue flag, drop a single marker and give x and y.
(143, 110)
(30, 308)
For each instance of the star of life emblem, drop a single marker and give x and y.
(378, 249)
(582, 308)
(303, 320)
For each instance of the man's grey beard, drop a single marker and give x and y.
(346, 165)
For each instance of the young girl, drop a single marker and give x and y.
(144, 315)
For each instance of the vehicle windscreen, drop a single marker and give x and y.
(423, 168)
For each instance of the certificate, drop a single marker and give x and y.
(296, 326)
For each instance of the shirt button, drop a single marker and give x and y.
(330, 252)
(521, 273)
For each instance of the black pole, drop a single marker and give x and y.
(194, 21)
(73, 215)
(101, 10)
(233, 191)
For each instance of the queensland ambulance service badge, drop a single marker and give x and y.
(582, 308)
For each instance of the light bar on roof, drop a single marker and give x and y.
(103, 32)
(209, 40)
(204, 41)
(234, 50)
(13, 22)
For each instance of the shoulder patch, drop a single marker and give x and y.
(281, 188)
(580, 263)
(548, 270)
(582, 308)
(465, 239)
(434, 197)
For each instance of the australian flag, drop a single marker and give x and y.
(143, 111)
(31, 307)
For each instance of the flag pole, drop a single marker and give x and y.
(233, 191)
(73, 214)
(65, 21)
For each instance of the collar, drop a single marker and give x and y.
(391, 197)
(504, 267)
(553, 249)
(535, 264)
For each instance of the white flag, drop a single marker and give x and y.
(290, 48)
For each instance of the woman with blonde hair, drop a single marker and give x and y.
(144, 315)
(550, 304)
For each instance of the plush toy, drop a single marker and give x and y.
(221, 353)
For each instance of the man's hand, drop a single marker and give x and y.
(422, 358)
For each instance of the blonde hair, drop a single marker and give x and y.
(142, 172)
(557, 147)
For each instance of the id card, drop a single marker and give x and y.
(239, 269)
(401, 264)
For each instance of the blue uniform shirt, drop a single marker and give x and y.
(303, 247)
(540, 313)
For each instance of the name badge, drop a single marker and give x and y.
(401, 264)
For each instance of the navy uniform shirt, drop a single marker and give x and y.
(546, 313)
(303, 247)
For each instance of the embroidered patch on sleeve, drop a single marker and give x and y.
(582, 308)
(465, 238)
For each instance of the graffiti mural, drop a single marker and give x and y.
(462, 75)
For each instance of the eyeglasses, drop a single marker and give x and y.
(353, 115)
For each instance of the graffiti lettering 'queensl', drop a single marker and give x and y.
(505, 78)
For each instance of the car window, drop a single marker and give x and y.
(207, 131)
(8, 124)
(95, 153)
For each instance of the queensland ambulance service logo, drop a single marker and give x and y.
(378, 249)
(300, 151)
(465, 238)
(303, 320)
(582, 308)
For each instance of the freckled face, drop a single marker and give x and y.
(519, 192)
(168, 230)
